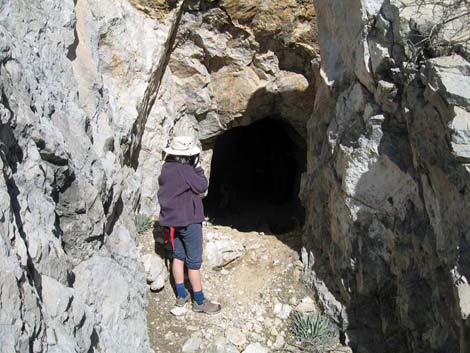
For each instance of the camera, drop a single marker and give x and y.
(194, 160)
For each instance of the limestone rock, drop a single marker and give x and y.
(178, 311)
(69, 102)
(461, 133)
(464, 298)
(279, 342)
(450, 76)
(282, 311)
(117, 296)
(235, 336)
(307, 305)
(388, 143)
(220, 250)
(192, 344)
(220, 345)
(155, 271)
(454, 30)
(218, 77)
(67, 314)
(255, 348)
(379, 55)
(90, 93)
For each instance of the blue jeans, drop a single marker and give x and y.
(188, 245)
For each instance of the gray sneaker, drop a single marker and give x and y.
(207, 307)
(182, 301)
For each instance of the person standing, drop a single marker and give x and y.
(181, 183)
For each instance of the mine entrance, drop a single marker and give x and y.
(255, 178)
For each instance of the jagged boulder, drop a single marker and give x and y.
(220, 250)
(156, 272)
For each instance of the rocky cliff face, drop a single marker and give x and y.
(73, 77)
(90, 92)
(234, 62)
(386, 188)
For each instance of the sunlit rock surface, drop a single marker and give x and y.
(72, 79)
(233, 63)
(387, 215)
(90, 93)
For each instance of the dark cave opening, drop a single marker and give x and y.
(255, 178)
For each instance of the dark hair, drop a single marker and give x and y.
(178, 159)
(182, 159)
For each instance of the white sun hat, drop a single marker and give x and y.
(182, 146)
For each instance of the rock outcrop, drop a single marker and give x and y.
(90, 93)
(386, 188)
(72, 79)
(234, 62)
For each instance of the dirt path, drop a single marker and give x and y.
(257, 292)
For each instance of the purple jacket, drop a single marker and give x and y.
(178, 195)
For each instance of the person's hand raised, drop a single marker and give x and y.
(197, 161)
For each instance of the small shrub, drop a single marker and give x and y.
(314, 329)
(142, 223)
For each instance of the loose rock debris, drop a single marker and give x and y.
(258, 283)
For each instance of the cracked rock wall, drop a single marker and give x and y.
(232, 63)
(90, 91)
(386, 190)
(73, 75)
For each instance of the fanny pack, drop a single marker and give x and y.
(169, 241)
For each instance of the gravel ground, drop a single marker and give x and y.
(257, 292)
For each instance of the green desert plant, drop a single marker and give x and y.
(142, 223)
(315, 329)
